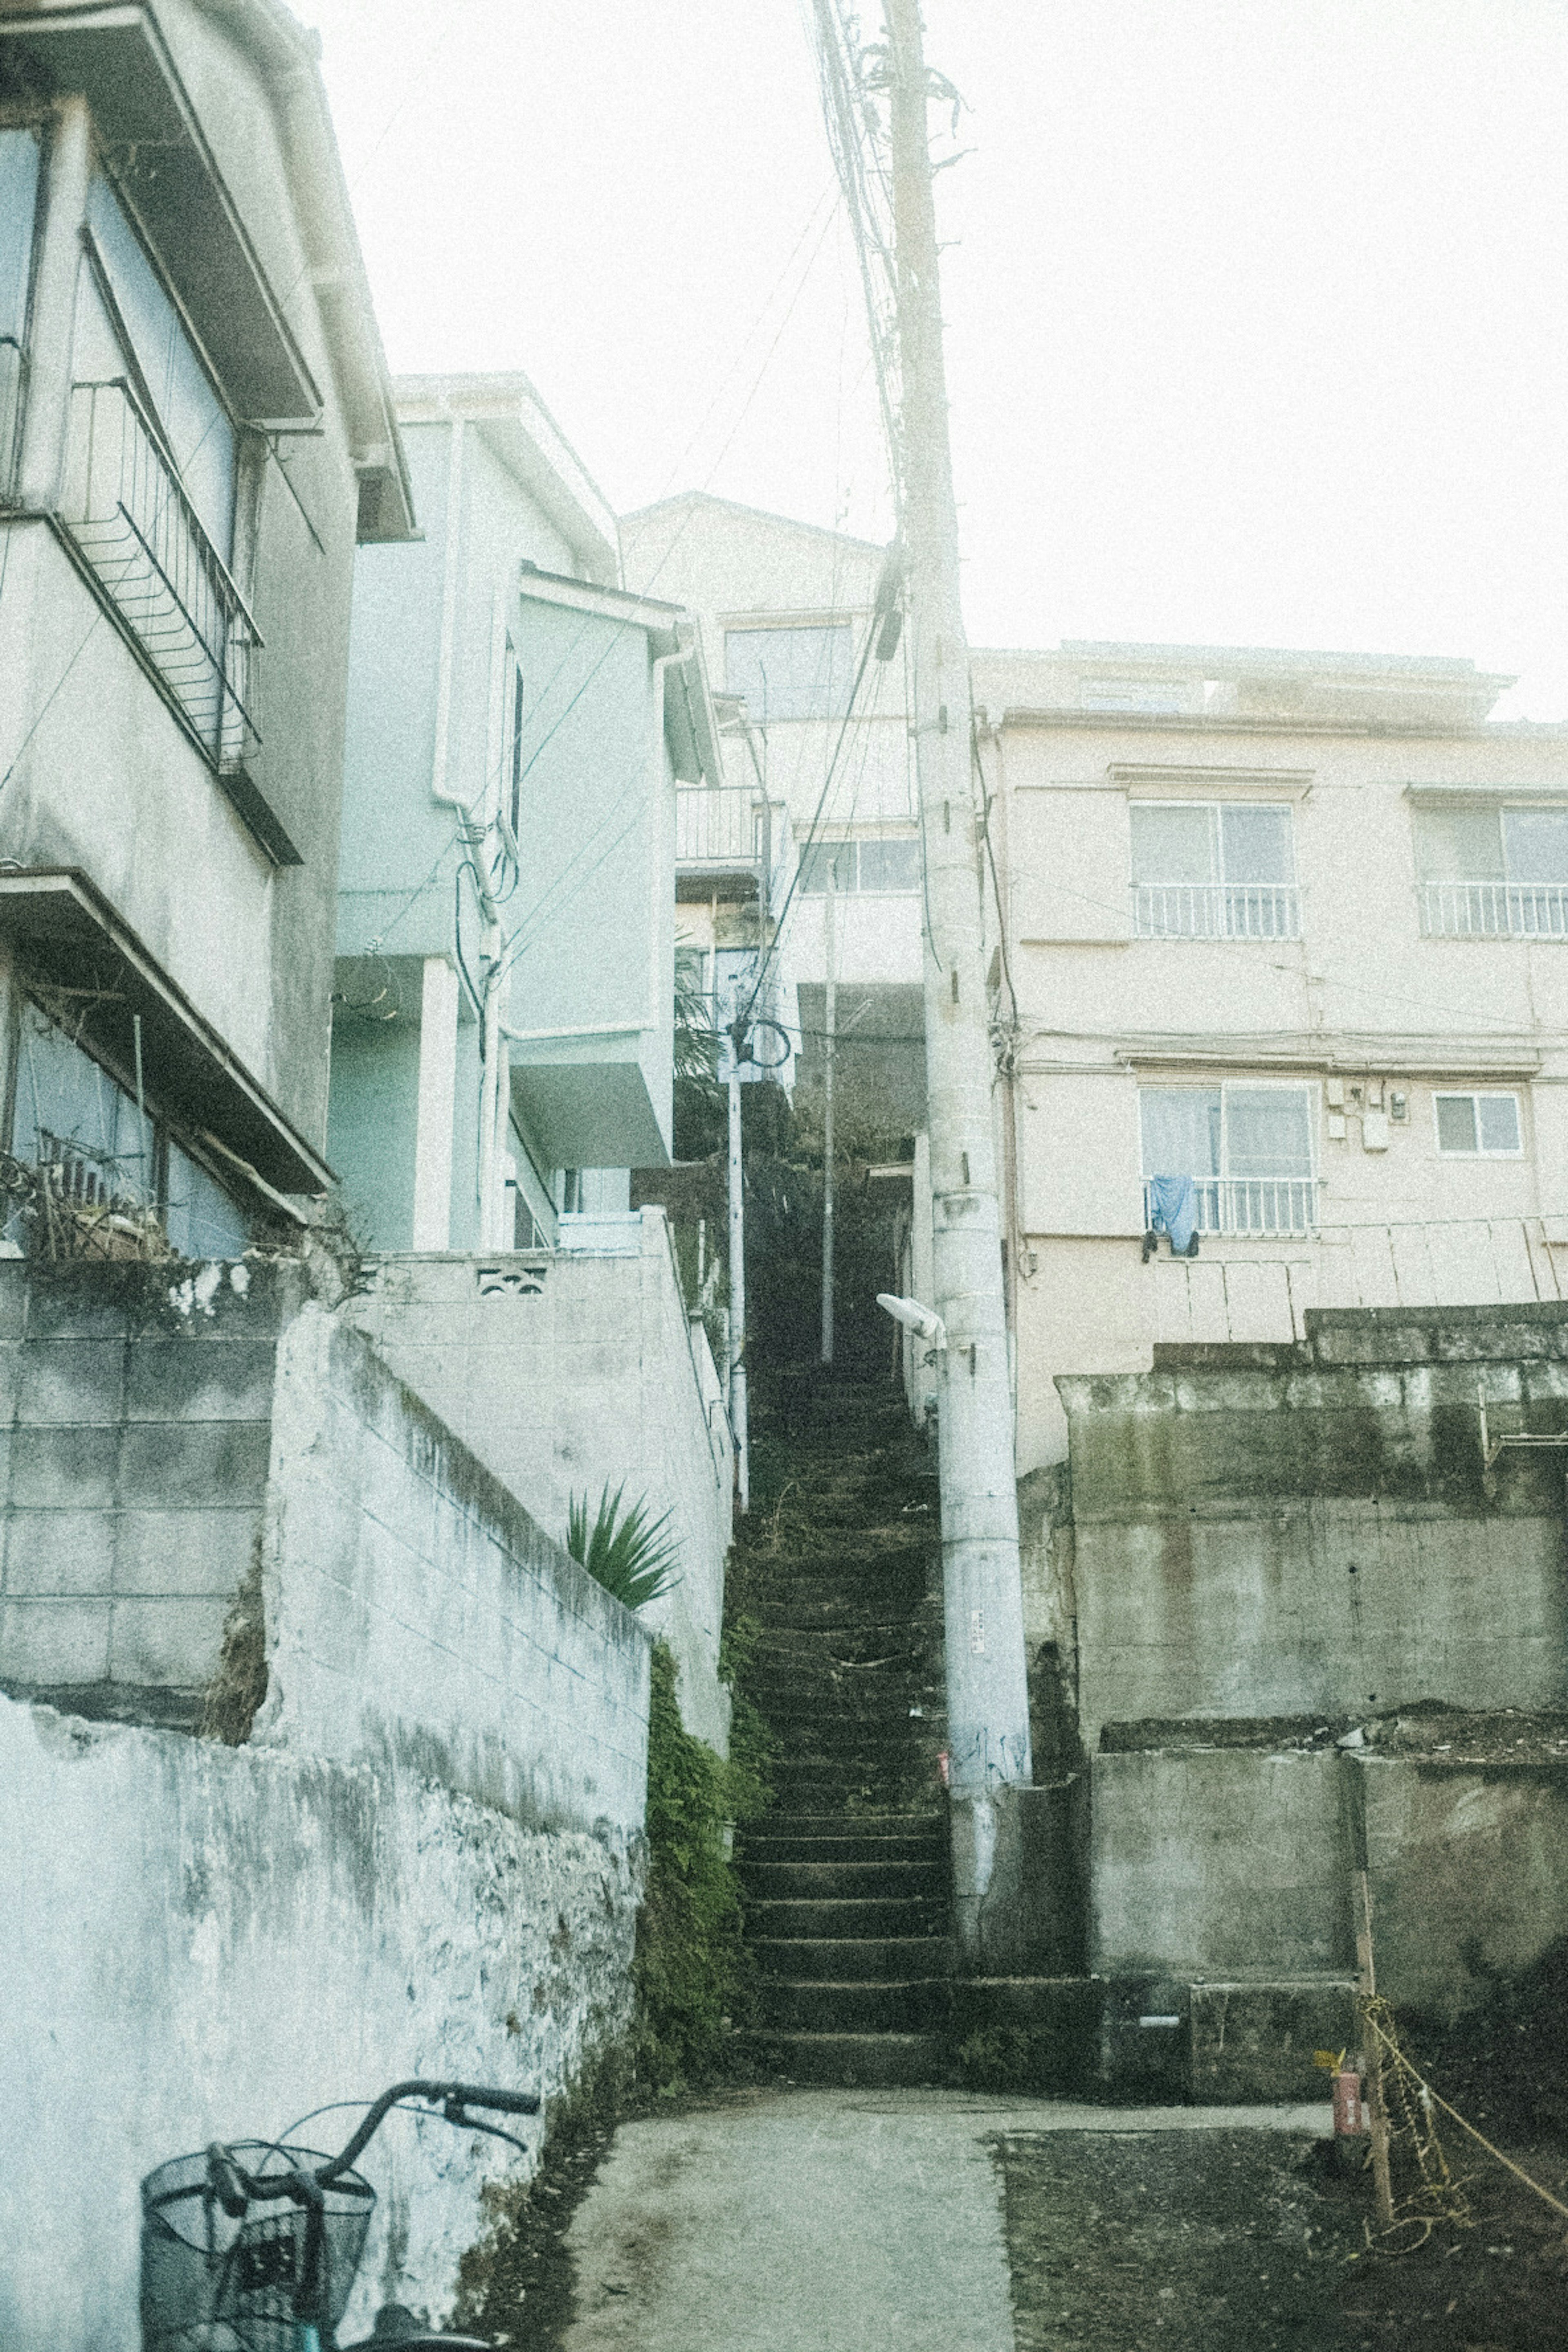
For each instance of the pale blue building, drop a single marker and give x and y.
(518, 727)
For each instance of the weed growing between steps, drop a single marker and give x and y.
(690, 1968)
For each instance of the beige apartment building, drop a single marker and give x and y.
(1292, 927)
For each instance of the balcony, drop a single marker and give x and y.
(1494, 910)
(723, 833)
(1217, 910)
(137, 531)
(1251, 1204)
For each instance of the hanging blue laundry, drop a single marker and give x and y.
(1173, 1207)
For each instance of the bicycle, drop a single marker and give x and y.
(236, 2259)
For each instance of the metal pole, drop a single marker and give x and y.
(987, 1690)
(829, 1056)
(737, 1284)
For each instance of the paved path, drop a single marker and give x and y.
(822, 2220)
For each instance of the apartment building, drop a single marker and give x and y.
(813, 843)
(1290, 929)
(196, 429)
(518, 725)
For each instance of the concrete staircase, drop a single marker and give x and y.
(846, 1876)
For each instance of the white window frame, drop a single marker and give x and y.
(1224, 1182)
(1284, 922)
(854, 841)
(1477, 1096)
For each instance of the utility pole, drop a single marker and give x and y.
(987, 1691)
(738, 1416)
(829, 1051)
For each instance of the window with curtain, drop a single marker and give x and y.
(1213, 870)
(1492, 872)
(1249, 1150)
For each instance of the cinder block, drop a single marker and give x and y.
(11, 1355)
(72, 1467)
(59, 1552)
(231, 1380)
(13, 1298)
(166, 1641)
(50, 1642)
(198, 1553)
(192, 1462)
(71, 1381)
(81, 1303)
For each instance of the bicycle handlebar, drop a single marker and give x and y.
(452, 2097)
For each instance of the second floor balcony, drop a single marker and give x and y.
(1217, 910)
(725, 836)
(136, 529)
(1250, 1204)
(1494, 910)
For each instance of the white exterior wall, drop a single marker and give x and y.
(1361, 996)
(568, 1371)
(206, 1942)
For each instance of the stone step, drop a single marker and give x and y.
(860, 1648)
(864, 1959)
(890, 2006)
(876, 2059)
(839, 1881)
(849, 1795)
(766, 1845)
(780, 1822)
(790, 1919)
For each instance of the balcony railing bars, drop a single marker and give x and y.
(127, 510)
(1251, 1204)
(727, 825)
(1494, 910)
(1217, 910)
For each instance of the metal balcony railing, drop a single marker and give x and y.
(725, 826)
(1217, 910)
(1251, 1204)
(1494, 910)
(125, 508)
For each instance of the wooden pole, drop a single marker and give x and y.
(1376, 2112)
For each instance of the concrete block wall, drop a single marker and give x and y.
(134, 1441)
(1274, 1531)
(419, 1617)
(206, 1942)
(567, 1370)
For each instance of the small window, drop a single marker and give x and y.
(1477, 1126)
(791, 673)
(871, 864)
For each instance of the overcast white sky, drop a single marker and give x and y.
(1258, 308)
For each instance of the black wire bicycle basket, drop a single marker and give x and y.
(210, 2284)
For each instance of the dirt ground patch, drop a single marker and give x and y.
(1249, 2241)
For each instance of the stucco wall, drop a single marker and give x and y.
(206, 1942)
(168, 1435)
(564, 1371)
(417, 1616)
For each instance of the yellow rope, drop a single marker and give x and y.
(1375, 2012)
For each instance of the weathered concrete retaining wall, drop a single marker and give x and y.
(1224, 1865)
(1274, 1531)
(417, 1616)
(564, 1370)
(206, 1942)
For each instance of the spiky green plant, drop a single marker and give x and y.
(626, 1550)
